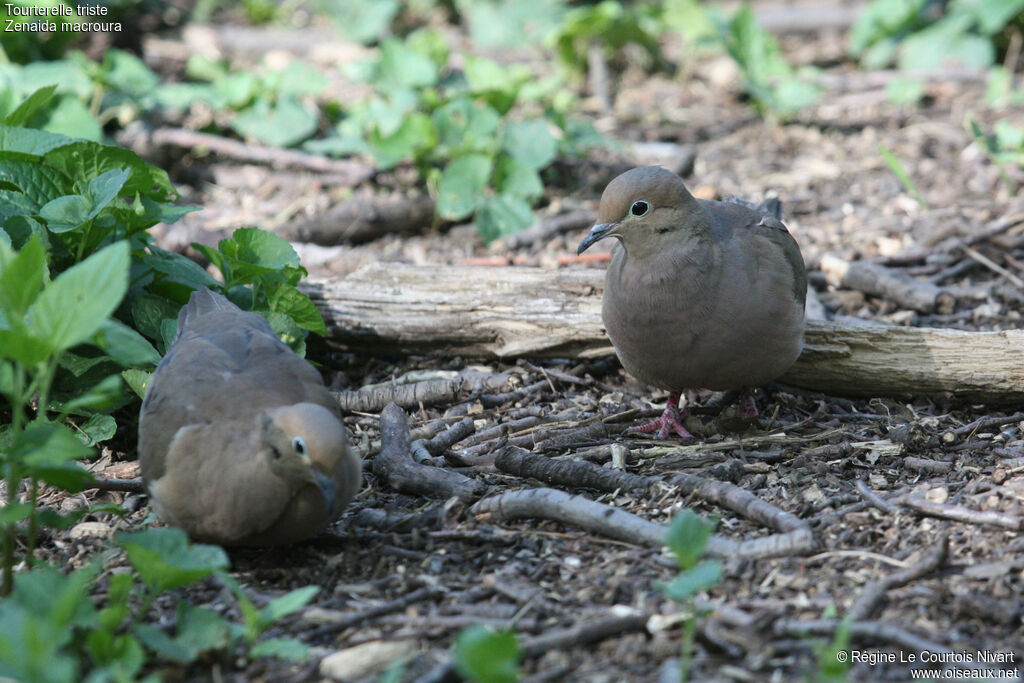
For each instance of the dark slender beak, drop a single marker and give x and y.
(597, 233)
(327, 488)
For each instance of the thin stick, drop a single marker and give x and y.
(962, 514)
(871, 597)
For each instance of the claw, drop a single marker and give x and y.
(670, 421)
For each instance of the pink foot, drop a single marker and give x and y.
(748, 407)
(670, 421)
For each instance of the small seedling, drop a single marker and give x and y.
(687, 540)
(483, 655)
(896, 166)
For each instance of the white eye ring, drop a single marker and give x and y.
(299, 445)
(639, 208)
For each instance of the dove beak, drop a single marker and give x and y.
(327, 488)
(596, 234)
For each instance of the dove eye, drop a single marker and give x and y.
(299, 445)
(639, 208)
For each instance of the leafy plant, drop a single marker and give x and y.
(487, 656)
(927, 34)
(612, 25)
(831, 667)
(460, 129)
(50, 629)
(1004, 146)
(776, 88)
(687, 539)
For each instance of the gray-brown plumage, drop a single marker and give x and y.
(240, 442)
(699, 294)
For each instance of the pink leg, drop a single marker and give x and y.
(670, 421)
(748, 407)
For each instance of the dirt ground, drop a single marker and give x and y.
(411, 571)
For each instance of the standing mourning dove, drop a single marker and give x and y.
(240, 442)
(699, 294)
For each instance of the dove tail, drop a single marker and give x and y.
(203, 301)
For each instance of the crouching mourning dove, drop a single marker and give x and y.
(699, 294)
(239, 440)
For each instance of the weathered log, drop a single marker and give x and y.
(513, 312)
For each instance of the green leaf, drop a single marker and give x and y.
(66, 213)
(98, 427)
(503, 215)
(692, 581)
(149, 312)
(281, 648)
(401, 66)
(517, 178)
(48, 450)
(15, 512)
(285, 124)
(165, 560)
(287, 331)
(487, 656)
(946, 45)
(362, 21)
(126, 346)
(137, 380)
(39, 182)
(21, 278)
(22, 228)
(297, 306)
(30, 141)
(85, 160)
(71, 117)
(461, 188)
(127, 73)
(288, 603)
(74, 305)
(198, 630)
(121, 656)
(530, 142)
(104, 395)
(300, 79)
(416, 133)
(27, 109)
(687, 537)
(466, 126)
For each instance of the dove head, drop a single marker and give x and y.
(642, 208)
(305, 444)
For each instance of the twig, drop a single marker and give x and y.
(584, 633)
(359, 618)
(875, 499)
(545, 503)
(549, 226)
(877, 280)
(352, 172)
(430, 392)
(739, 500)
(962, 514)
(134, 485)
(441, 442)
(926, 465)
(522, 463)
(362, 218)
(972, 428)
(992, 265)
(395, 466)
(871, 597)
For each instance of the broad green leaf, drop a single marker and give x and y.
(467, 126)
(530, 142)
(15, 512)
(84, 160)
(137, 380)
(27, 109)
(503, 215)
(121, 656)
(362, 21)
(125, 345)
(461, 188)
(71, 117)
(517, 178)
(285, 124)
(287, 331)
(22, 346)
(39, 182)
(281, 648)
(300, 79)
(692, 581)
(98, 427)
(288, 603)
(21, 278)
(30, 141)
(165, 560)
(149, 312)
(416, 133)
(66, 213)
(198, 630)
(487, 656)
(48, 450)
(297, 306)
(127, 73)
(22, 228)
(687, 537)
(104, 395)
(74, 305)
(401, 66)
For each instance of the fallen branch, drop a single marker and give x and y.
(598, 518)
(549, 226)
(962, 514)
(395, 466)
(427, 392)
(133, 485)
(577, 473)
(350, 173)
(877, 280)
(359, 618)
(515, 312)
(362, 219)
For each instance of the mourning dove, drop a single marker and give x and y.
(699, 294)
(239, 440)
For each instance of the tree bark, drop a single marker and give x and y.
(494, 312)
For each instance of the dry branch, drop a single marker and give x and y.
(514, 312)
(349, 173)
(523, 463)
(877, 280)
(133, 485)
(361, 219)
(962, 514)
(871, 598)
(394, 465)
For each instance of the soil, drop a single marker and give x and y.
(845, 467)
